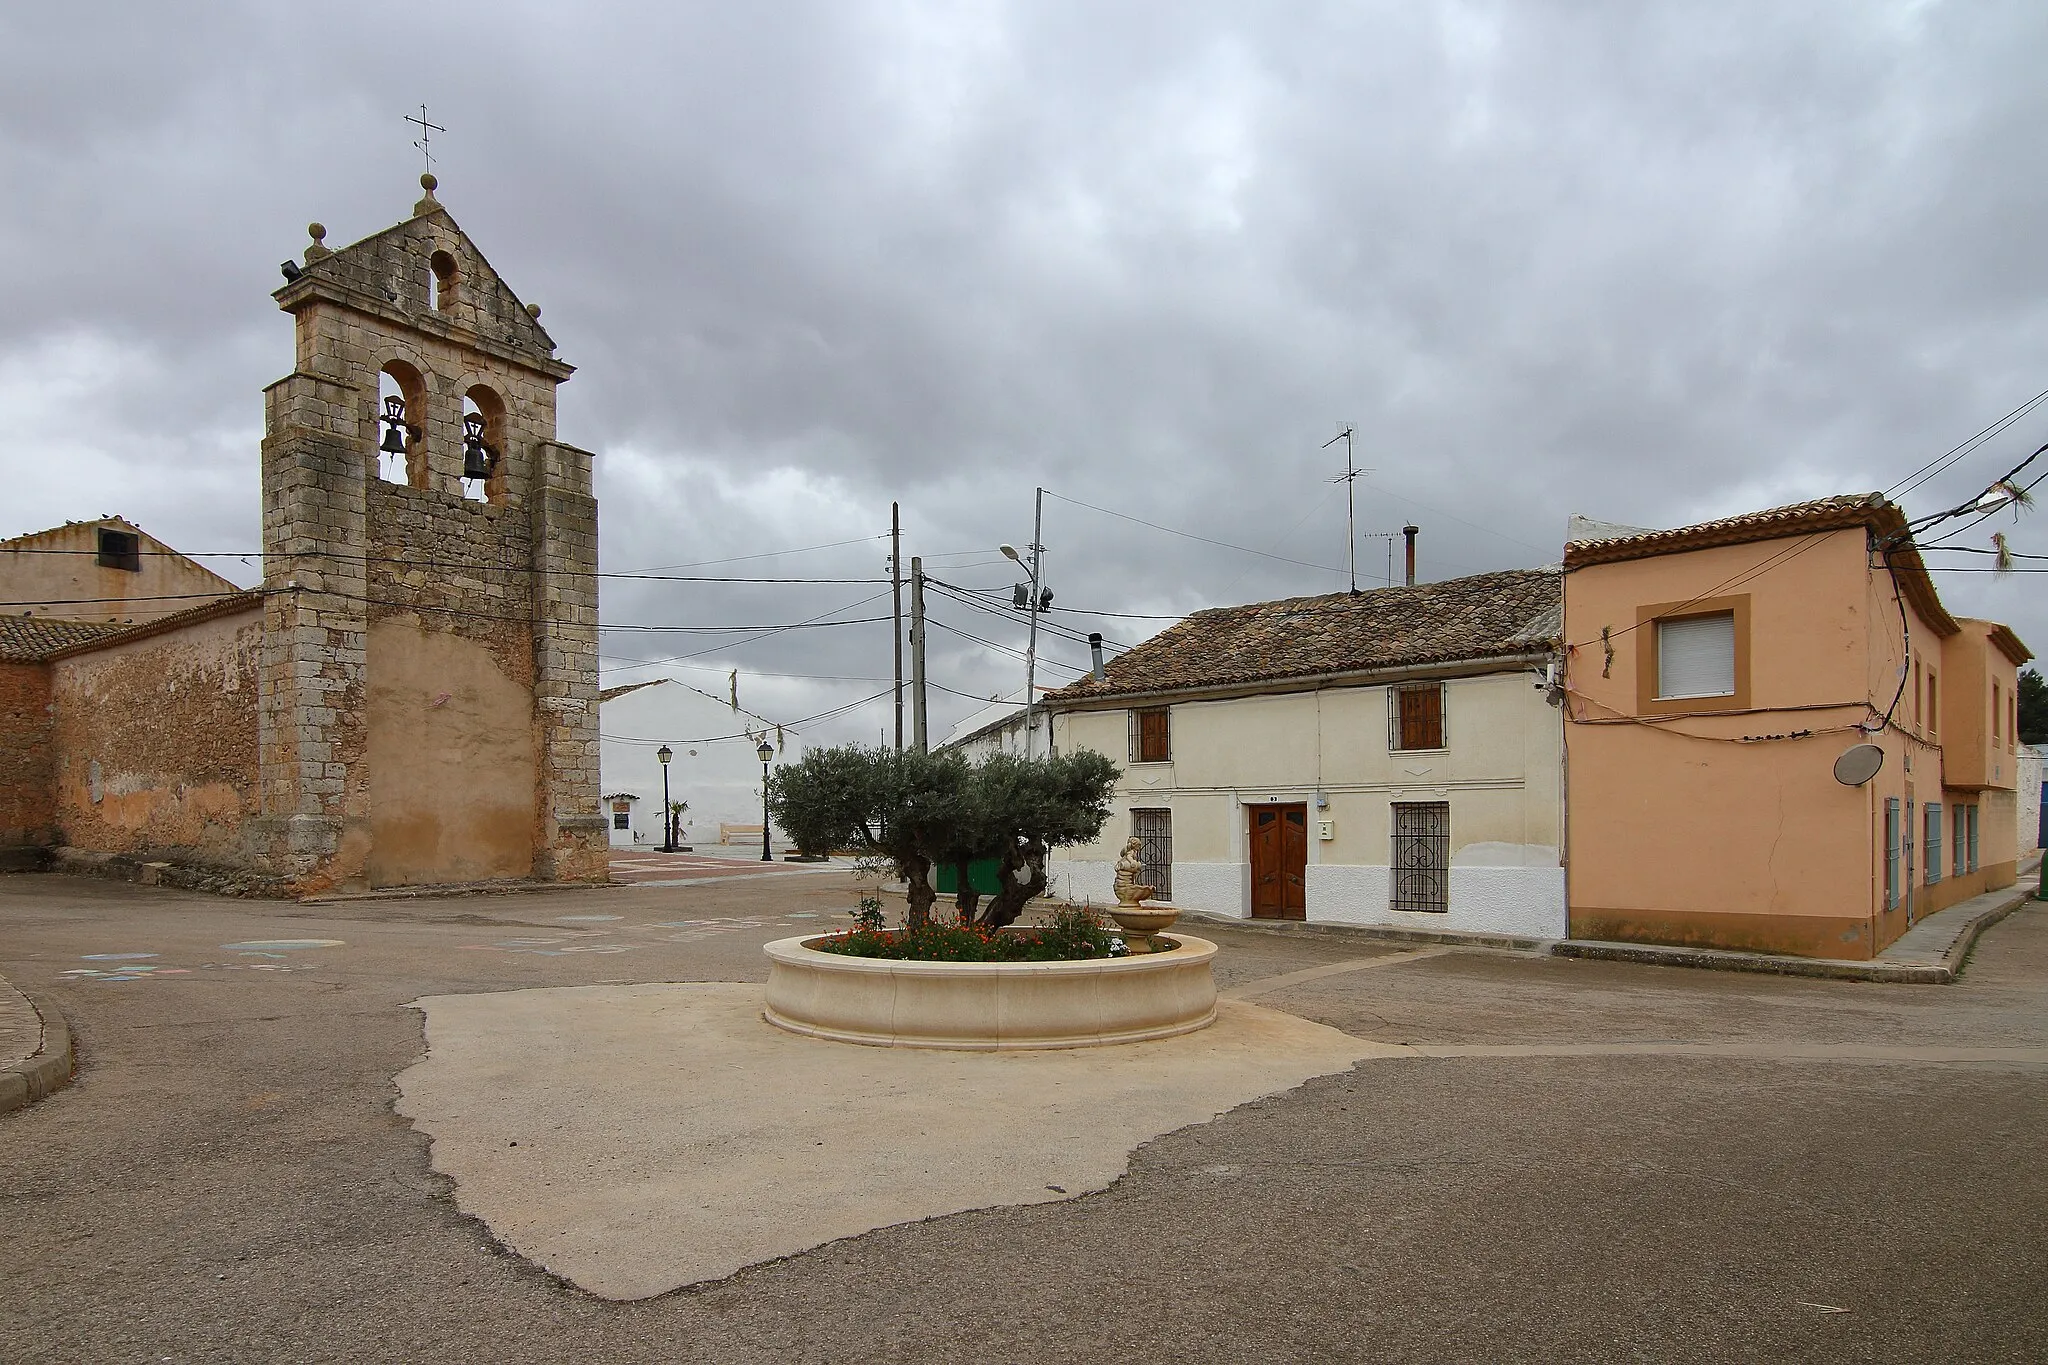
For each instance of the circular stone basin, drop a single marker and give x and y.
(986, 1006)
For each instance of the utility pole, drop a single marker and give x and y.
(896, 598)
(917, 653)
(1031, 641)
(1350, 478)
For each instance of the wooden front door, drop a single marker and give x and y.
(1279, 840)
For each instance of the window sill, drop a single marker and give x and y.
(1405, 752)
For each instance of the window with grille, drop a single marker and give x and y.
(621, 820)
(1422, 856)
(1891, 852)
(1415, 717)
(1152, 735)
(120, 550)
(1154, 831)
(1933, 842)
(1997, 714)
(1696, 656)
(1933, 704)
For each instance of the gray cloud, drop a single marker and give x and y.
(1653, 263)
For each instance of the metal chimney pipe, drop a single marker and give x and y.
(1409, 533)
(1095, 652)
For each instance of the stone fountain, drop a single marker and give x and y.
(1139, 921)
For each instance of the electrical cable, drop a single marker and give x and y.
(1955, 454)
(1189, 535)
(991, 644)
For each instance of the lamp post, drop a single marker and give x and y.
(766, 751)
(668, 828)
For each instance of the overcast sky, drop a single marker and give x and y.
(1653, 263)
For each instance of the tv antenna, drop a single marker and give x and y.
(1349, 478)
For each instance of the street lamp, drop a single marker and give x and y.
(668, 827)
(1036, 600)
(767, 752)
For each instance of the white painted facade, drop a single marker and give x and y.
(997, 728)
(714, 766)
(2030, 768)
(1328, 747)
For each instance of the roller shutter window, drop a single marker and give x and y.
(1696, 657)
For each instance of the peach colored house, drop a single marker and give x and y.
(1716, 673)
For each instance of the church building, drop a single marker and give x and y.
(410, 697)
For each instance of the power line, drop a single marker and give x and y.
(748, 734)
(991, 644)
(1189, 535)
(962, 597)
(1948, 459)
(765, 554)
(407, 561)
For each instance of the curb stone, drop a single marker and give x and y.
(48, 1071)
(1942, 973)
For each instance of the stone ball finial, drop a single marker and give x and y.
(428, 183)
(318, 250)
(533, 311)
(317, 231)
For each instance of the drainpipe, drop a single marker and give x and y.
(1408, 532)
(1095, 653)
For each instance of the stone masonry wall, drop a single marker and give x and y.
(28, 810)
(424, 651)
(154, 742)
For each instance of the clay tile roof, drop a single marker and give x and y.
(1821, 514)
(24, 639)
(1485, 616)
(611, 692)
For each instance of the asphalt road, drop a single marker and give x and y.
(226, 1180)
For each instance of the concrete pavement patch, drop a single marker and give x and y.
(635, 1139)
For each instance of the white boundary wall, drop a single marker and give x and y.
(1526, 902)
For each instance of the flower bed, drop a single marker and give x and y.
(1076, 934)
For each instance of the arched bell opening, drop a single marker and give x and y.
(447, 281)
(483, 445)
(401, 425)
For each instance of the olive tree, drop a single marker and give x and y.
(920, 811)
(900, 807)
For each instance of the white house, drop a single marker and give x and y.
(997, 728)
(2033, 759)
(713, 762)
(1386, 758)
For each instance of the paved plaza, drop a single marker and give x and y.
(1533, 1158)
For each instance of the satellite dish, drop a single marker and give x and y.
(1858, 764)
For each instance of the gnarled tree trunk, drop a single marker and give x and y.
(966, 900)
(917, 883)
(1022, 877)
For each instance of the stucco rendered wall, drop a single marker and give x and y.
(57, 573)
(451, 759)
(1499, 774)
(2029, 797)
(1727, 829)
(155, 743)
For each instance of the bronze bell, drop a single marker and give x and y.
(477, 458)
(394, 424)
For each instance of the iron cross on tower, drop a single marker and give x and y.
(427, 130)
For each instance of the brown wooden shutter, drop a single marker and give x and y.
(1422, 718)
(1155, 738)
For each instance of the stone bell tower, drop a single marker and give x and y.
(428, 692)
